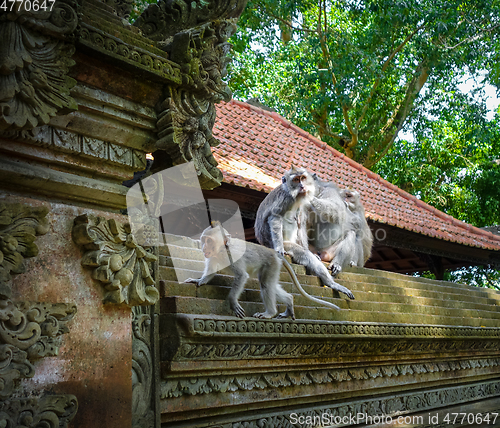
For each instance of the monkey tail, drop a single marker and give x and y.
(302, 291)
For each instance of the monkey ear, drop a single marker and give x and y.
(215, 223)
(293, 169)
(283, 179)
(315, 176)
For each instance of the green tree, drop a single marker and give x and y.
(352, 72)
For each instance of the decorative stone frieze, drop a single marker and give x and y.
(19, 225)
(35, 57)
(416, 401)
(125, 268)
(283, 379)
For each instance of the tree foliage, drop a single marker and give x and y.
(353, 71)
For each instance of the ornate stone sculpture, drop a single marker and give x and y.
(28, 330)
(195, 35)
(35, 56)
(125, 268)
(19, 225)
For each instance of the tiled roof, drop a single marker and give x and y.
(258, 147)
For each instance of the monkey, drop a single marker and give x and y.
(337, 228)
(217, 245)
(364, 237)
(281, 223)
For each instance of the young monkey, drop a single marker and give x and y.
(250, 258)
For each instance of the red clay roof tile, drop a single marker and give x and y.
(258, 146)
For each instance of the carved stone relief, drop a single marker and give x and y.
(231, 383)
(391, 406)
(28, 330)
(143, 368)
(125, 268)
(35, 56)
(19, 226)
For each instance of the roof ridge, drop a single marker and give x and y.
(370, 174)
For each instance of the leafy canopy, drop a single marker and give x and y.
(352, 72)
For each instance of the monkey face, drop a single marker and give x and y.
(299, 182)
(212, 242)
(209, 246)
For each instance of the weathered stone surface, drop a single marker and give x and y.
(402, 347)
(94, 360)
(35, 59)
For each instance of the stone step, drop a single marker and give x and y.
(196, 263)
(219, 286)
(445, 294)
(203, 306)
(253, 296)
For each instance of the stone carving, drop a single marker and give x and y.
(210, 326)
(188, 113)
(231, 383)
(50, 411)
(168, 17)
(35, 57)
(19, 225)
(70, 142)
(130, 53)
(143, 381)
(125, 268)
(414, 401)
(28, 331)
(232, 351)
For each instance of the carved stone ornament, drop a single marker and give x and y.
(125, 268)
(168, 17)
(19, 225)
(50, 411)
(35, 56)
(194, 35)
(142, 370)
(28, 331)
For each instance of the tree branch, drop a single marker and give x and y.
(384, 68)
(474, 38)
(285, 22)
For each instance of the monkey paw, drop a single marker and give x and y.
(239, 311)
(286, 314)
(263, 315)
(335, 268)
(193, 281)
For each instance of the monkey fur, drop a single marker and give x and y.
(281, 223)
(217, 243)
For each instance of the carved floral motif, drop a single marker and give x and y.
(28, 331)
(142, 370)
(34, 60)
(231, 383)
(168, 17)
(50, 411)
(125, 268)
(19, 225)
(188, 116)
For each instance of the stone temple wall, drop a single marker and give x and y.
(95, 331)
(84, 97)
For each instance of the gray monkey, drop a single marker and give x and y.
(364, 237)
(217, 244)
(337, 228)
(281, 223)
